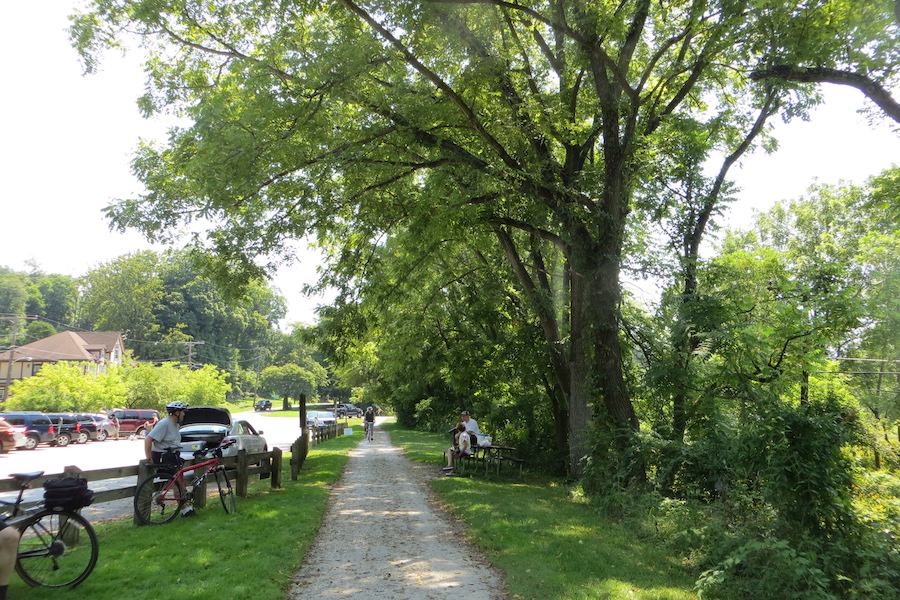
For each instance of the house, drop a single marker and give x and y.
(96, 349)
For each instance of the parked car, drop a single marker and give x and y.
(133, 421)
(319, 418)
(8, 436)
(262, 405)
(68, 429)
(346, 409)
(37, 427)
(208, 426)
(100, 427)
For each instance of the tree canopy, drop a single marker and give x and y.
(392, 130)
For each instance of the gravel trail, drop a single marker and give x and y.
(386, 538)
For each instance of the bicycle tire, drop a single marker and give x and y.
(152, 509)
(226, 493)
(58, 549)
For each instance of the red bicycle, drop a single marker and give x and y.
(160, 497)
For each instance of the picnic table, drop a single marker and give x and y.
(494, 456)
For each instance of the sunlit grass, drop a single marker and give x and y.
(548, 542)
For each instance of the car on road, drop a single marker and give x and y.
(36, 426)
(135, 421)
(262, 405)
(208, 426)
(346, 409)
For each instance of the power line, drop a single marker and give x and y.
(881, 360)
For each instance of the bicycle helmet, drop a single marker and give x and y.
(174, 407)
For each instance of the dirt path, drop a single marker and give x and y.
(386, 538)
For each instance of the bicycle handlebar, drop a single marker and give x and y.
(214, 449)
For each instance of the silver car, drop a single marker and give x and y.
(319, 418)
(208, 426)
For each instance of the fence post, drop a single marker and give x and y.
(143, 471)
(200, 491)
(275, 467)
(242, 480)
(295, 459)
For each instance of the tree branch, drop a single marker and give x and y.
(870, 88)
(437, 81)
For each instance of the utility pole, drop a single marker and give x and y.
(190, 346)
(14, 319)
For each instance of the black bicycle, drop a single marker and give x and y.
(58, 547)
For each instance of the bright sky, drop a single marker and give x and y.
(67, 140)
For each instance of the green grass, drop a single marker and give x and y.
(550, 544)
(251, 554)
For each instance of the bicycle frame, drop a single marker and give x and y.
(179, 476)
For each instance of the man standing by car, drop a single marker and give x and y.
(165, 434)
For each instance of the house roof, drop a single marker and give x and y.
(68, 345)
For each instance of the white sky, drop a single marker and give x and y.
(67, 140)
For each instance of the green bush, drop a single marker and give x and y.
(766, 568)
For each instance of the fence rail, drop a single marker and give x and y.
(240, 467)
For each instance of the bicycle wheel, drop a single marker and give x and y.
(153, 504)
(226, 494)
(58, 549)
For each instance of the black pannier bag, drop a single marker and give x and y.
(69, 493)
(170, 463)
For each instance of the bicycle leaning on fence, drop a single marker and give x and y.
(160, 497)
(58, 547)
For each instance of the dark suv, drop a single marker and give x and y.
(135, 421)
(38, 427)
(68, 429)
(345, 409)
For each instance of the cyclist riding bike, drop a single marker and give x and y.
(369, 423)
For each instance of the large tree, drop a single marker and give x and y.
(122, 295)
(531, 123)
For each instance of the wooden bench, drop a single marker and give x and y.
(464, 463)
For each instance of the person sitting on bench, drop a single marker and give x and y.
(461, 449)
(471, 426)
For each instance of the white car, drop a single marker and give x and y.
(208, 426)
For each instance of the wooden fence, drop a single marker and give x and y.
(240, 468)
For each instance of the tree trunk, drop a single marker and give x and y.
(596, 368)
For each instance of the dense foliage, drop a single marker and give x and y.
(69, 387)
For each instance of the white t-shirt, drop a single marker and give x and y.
(472, 426)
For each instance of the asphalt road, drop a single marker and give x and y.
(278, 431)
